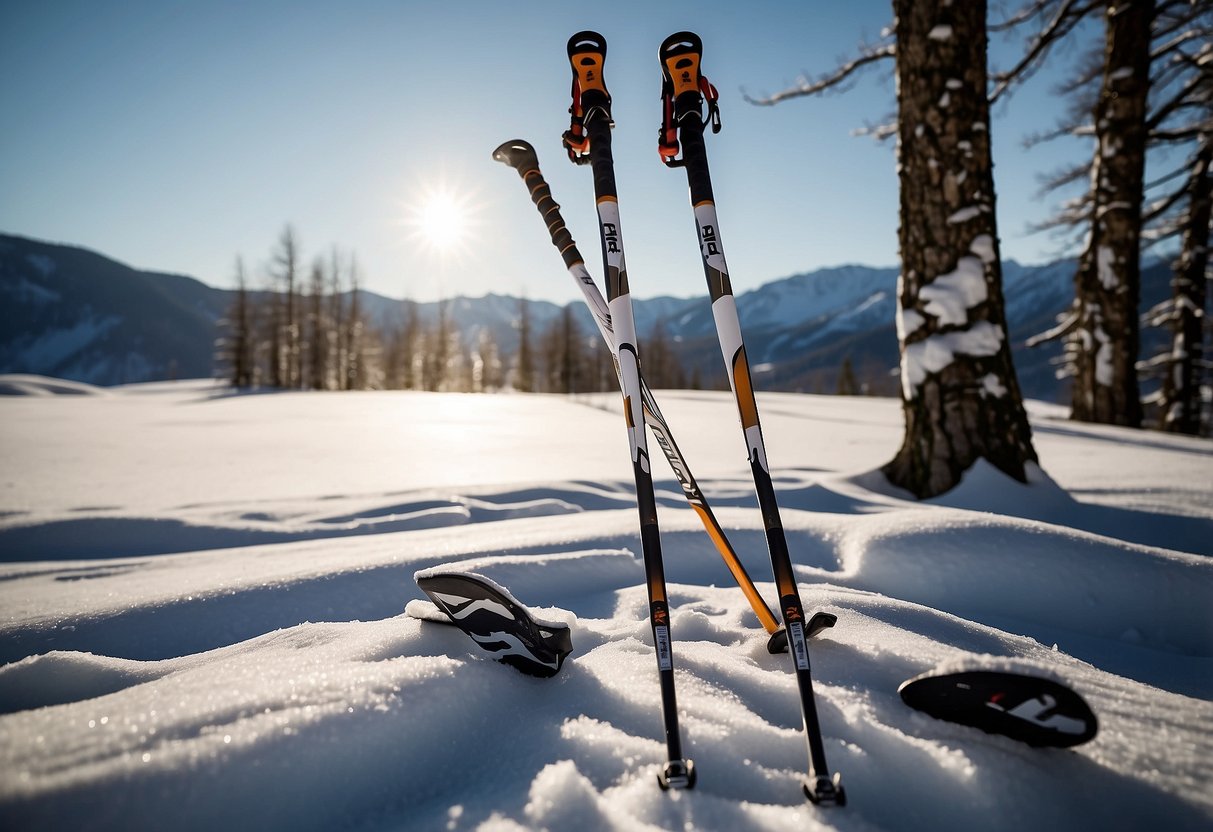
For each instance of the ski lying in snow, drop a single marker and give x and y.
(684, 91)
(497, 621)
(1039, 711)
(589, 138)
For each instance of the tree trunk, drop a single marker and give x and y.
(1181, 389)
(524, 381)
(960, 396)
(1105, 341)
(242, 341)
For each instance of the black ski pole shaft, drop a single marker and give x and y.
(683, 93)
(587, 55)
(521, 156)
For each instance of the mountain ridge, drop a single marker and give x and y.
(73, 313)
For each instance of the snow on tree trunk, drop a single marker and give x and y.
(1104, 341)
(1181, 389)
(960, 396)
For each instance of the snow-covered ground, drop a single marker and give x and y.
(202, 608)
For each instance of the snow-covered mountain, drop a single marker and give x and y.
(74, 314)
(71, 313)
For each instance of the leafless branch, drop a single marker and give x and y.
(869, 55)
(1069, 14)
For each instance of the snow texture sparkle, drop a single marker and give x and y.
(203, 596)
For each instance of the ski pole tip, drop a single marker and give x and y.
(825, 791)
(518, 154)
(677, 774)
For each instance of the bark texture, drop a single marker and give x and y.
(1103, 342)
(960, 395)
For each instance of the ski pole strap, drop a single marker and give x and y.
(587, 55)
(520, 155)
(683, 90)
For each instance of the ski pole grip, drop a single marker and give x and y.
(602, 159)
(520, 155)
(695, 159)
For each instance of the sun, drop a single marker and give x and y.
(442, 221)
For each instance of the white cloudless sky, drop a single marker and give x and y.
(175, 136)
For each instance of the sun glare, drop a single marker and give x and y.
(441, 221)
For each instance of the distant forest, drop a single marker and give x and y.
(307, 330)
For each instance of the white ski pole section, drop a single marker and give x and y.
(629, 372)
(709, 237)
(728, 329)
(728, 326)
(612, 237)
(623, 325)
(595, 301)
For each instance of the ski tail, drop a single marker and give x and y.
(521, 156)
(498, 622)
(684, 91)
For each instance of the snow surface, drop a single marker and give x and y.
(202, 600)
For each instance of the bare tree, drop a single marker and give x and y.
(1178, 204)
(524, 369)
(563, 352)
(318, 331)
(1181, 400)
(437, 350)
(661, 367)
(486, 364)
(960, 395)
(354, 374)
(1146, 92)
(241, 338)
(400, 349)
(1104, 334)
(285, 272)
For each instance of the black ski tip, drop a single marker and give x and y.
(497, 622)
(778, 642)
(1039, 711)
(677, 774)
(518, 154)
(825, 791)
(587, 41)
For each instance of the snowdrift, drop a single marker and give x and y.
(203, 618)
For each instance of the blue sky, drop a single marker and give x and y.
(177, 135)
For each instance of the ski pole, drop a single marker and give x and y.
(684, 91)
(592, 102)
